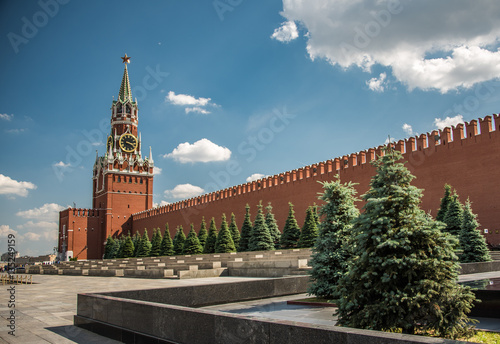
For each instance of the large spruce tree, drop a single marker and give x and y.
(167, 246)
(192, 243)
(260, 238)
(128, 248)
(291, 231)
(309, 231)
(404, 270)
(272, 225)
(136, 239)
(445, 202)
(235, 232)
(211, 238)
(246, 231)
(453, 216)
(108, 249)
(144, 245)
(224, 243)
(122, 240)
(156, 243)
(333, 247)
(202, 233)
(179, 239)
(472, 242)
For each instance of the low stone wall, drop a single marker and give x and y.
(169, 315)
(474, 268)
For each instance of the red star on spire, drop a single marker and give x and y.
(126, 59)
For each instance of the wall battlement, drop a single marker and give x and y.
(81, 212)
(414, 150)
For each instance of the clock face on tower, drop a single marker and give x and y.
(128, 143)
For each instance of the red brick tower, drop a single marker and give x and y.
(122, 185)
(122, 179)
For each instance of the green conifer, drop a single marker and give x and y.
(136, 239)
(246, 231)
(472, 242)
(445, 202)
(108, 249)
(309, 231)
(144, 245)
(179, 239)
(122, 241)
(291, 231)
(115, 249)
(192, 244)
(272, 225)
(235, 232)
(167, 246)
(332, 250)
(156, 243)
(224, 243)
(128, 247)
(211, 238)
(202, 233)
(404, 269)
(453, 216)
(260, 238)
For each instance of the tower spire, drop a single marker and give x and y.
(125, 93)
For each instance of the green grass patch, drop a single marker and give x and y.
(484, 337)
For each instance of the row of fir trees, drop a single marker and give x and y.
(262, 235)
(392, 267)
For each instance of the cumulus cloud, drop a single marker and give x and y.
(48, 211)
(408, 129)
(61, 164)
(203, 150)
(6, 117)
(197, 109)
(186, 99)
(157, 170)
(441, 123)
(255, 176)
(457, 47)
(287, 32)
(377, 84)
(183, 191)
(5, 230)
(9, 186)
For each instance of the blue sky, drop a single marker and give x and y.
(227, 90)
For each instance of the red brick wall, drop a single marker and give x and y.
(469, 164)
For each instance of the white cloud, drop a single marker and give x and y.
(457, 47)
(408, 129)
(11, 186)
(287, 32)
(15, 131)
(44, 225)
(196, 109)
(48, 211)
(186, 99)
(61, 164)
(6, 117)
(30, 236)
(255, 176)
(377, 84)
(448, 121)
(183, 191)
(157, 170)
(5, 230)
(201, 151)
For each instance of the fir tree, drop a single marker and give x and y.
(179, 239)
(471, 241)
(453, 216)
(116, 248)
(136, 239)
(211, 238)
(332, 250)
(235, 232)
(224, 243)
(167, 246)
(128, 248)
(122, 240)
(445, 202)
(260, 239)
(246, 231)
(203, 234)
(403, 274)
(309, 231)
(291, 231)
(156, 243)
(108, 249)
(192, 243)
(272, 225)
(144, 245)
(316, 215)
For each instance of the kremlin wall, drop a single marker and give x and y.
(466, 156)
